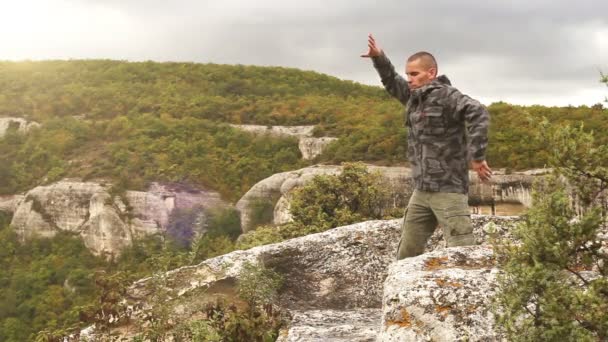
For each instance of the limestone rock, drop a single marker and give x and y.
(333, 280)
(282, 213)
(107, 224)
(312, 147)
(273, 187)
(309, 146)
(21, 125)
(441, 296)
(340, 269)
(360, 325)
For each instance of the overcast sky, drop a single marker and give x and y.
(525, 52)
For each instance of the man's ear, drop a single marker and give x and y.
(433, 72)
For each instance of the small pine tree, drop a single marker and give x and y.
(554, 286)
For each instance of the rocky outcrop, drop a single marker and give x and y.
(505, 188)
(443, 295)
(513, 188)
(18, 124)
(334, 281)
(106, 223)
(276, 189)
(309, 146)
(339, 269)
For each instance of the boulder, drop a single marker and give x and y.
(443, 295)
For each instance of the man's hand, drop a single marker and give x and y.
(374, 49)
(483, 170)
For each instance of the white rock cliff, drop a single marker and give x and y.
(309, 146)
(107, 224)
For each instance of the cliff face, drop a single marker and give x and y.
(106, 223)
(335, 286)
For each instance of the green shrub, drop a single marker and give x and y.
(259, 320)
(330, 201)
(209, 246)
(263, 235)
(226, 222)
(261, 211)
(327, 202)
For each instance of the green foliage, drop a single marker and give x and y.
(5, 219)
(108, 308)
(136, 122)
(226, 322)
(258, 285)
(510, 144)
(133, 123)
(224, 222)
(189, 149)
(261, 211)
(327, 202)
(331, 201)
(209, 246)
(555, 285)
(41, 284)
(262, 235)
(259, 321)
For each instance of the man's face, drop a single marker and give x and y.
(419, 74)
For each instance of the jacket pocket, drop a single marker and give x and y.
(434, 121)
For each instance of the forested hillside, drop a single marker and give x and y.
(137, 122)
(133, 123)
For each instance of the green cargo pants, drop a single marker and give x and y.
(428, 209)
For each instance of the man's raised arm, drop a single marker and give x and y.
(393, 82)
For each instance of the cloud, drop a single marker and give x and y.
(521, 51)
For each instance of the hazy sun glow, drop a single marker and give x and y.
(37, 29)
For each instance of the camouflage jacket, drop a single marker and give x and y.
(445, 130)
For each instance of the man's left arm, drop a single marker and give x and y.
(477, 120)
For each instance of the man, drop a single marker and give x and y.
(446, 129)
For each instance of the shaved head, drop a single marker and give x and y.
(427, 60)
(421, 69)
